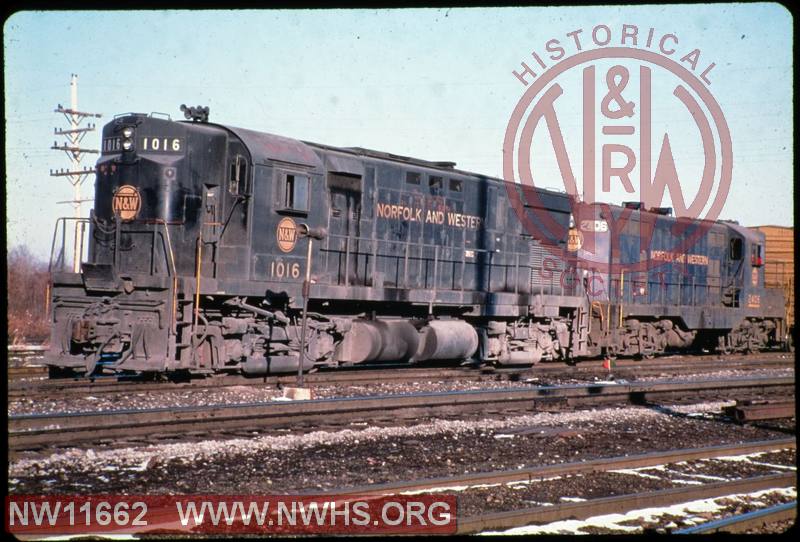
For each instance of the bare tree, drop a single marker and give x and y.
(28, 282)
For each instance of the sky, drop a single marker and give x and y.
(435, 84)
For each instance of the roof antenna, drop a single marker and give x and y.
(195, 114)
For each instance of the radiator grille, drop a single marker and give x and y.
(538, 255)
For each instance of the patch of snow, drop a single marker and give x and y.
(688, 511)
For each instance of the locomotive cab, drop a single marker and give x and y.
(759, 320)
(165, 206)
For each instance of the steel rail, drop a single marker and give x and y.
(622, 366)
(354, 377)
(565, 469)
(743, 522)
(773, 410)
(33, 430)
(26, 348)
(66, 388)
(23, 371)
(501, 521)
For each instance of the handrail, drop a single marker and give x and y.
(62, 222)
(457, 258)
(174, 286)
(61, 226)
(403, 251)
(399, 242)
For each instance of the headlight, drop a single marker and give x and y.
(127, 132)
(127, 144)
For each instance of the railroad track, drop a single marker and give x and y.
(629, 369)
(484, 479)
(744, 522)
(502, 521)
(35, 431)
(20, 358)
(70, 387)
(609, 505)
(26, 371)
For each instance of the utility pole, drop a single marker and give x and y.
(75, 175)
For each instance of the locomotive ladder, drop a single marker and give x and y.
(583, 321)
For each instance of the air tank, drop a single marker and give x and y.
(447, 339)
(378, 340)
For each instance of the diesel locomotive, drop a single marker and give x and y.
(213, 248)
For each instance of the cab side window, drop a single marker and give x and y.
(296, 192)
(237, 179)
(756, 257)
(736, 248)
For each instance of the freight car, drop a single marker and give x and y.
(213, 248)
(779, 268)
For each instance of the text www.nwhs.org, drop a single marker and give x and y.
(230, 514)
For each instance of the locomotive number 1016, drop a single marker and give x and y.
(162, 144)
(285, 270)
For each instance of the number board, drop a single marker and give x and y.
(112, 144)
(161, 144)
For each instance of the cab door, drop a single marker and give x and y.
(349, 259)
(210, 230)
(732, 289)
(236, 198)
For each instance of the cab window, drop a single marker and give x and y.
(238, 176)
(756, 256)
(736, 248)
(296, 192)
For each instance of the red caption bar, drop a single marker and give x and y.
(230, 514)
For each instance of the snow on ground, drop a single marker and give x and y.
(689, 511)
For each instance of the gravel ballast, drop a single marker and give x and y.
(283, 461)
